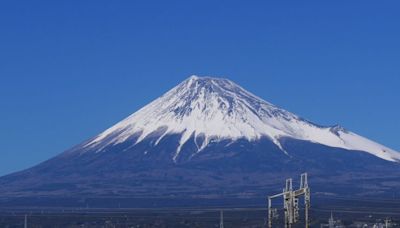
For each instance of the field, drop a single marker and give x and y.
(171, 217)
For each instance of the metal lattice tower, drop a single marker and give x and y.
(291, 203)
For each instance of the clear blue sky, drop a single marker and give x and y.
(70, 69)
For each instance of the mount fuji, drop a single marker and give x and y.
(210, 109)
(208, 138)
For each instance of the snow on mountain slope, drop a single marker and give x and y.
(219, 109)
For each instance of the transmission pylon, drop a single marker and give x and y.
(291, 203)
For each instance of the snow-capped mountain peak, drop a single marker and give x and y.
(217, 109)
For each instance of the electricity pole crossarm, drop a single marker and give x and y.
(299, 192)
(276, 196)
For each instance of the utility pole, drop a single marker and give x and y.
(387, 222)
(26, 221)
(291, 203)
(221, 219)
